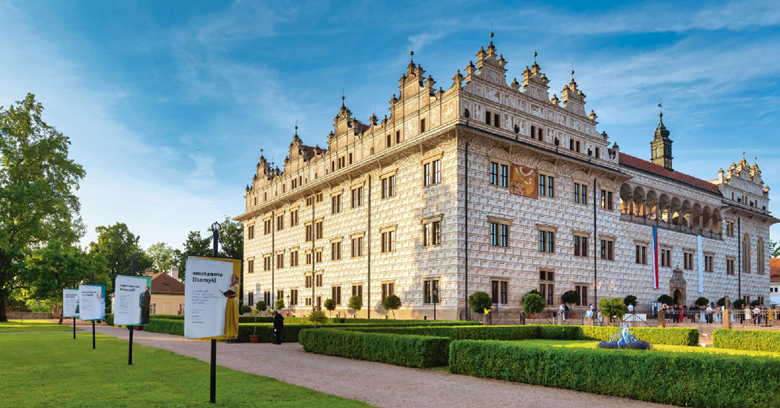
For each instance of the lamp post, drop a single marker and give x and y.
(435, 301)
(215, 227)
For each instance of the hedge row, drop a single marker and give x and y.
(689, 379)
(459, 333)
(402, 350)
(305, 320)
(747, 340)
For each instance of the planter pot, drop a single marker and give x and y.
(254, 338)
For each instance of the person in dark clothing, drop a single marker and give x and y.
(278, 326)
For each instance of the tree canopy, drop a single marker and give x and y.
(162, 256)
(114, 250)
(195, 245)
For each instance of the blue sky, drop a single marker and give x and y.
(168, 103)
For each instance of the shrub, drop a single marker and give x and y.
(397, 349)
(479, 301)
(702, 301)
(166, 326)
(738, 304)
(279, 304)
(570, 297)
(356, 303)
(109, 319)
(677, 336)
(533, 302)
(612, 307)
(261, 306)
(666, 299)
(246, 309)
(630, 300)
(755, 303)
(318, 317)
(747, 340)
(392, 303)
(721, 302)
(697, 378)
(330, 305)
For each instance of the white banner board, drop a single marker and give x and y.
(208, 284)
(132, 300)
(92, 302)
(70, 303)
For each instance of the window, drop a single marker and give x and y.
(357, 197)
(318, 256)
(342, 162)
(760, 261)
(540, 134)
(608, 249)
(335, 204)
(293, 218)
(388, 140)
(666, 258)
(308, 258)
(294, 258)
(267, 297)
(280, 222)
(499, 234)
(580, 246)
(309, 200)
(153, 308)
(641, 254)
(499, 291)
(293, 184)
(746, 298)
(387, 290)
(729, 266)
(688, 261)
(307, 301)
(267, 226)
(760, 300)
(293, 297)
(318, 229)
(357, 290)
(308, 281)
(250, 232)
(580, 193)
(432, 172)
(607, 201)
(318, 197)
(431, 291)
(398, 136)
(499, 174)
(280, 294)
(598, 153)
(250, 267)
(546, 185)
(335, 251)
(280, 261)
(357, 247)
(388, 241)
(267, 262)
(308, 232)
(422, 125)
(546, 286)
(708, 261)
(582, 295)
(388, 186)
(730, 229)
(432, 233)
(318, 280)
(546, 241)
(487, 117)
(574, 145)
(350, 159)
(336, 294)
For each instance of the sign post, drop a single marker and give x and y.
(92, 304)
(70, 306)
(132, 297)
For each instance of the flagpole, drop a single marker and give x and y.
(595, 248)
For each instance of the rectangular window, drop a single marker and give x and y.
(580, 193)
(499, 174)
(494, 173)
(318, 198)
(546, 286)
(335, 251)
(308, 258)
(388, 140)
(546, 185)
(708, 263)
(318, 229)
(580, 246)
(307, 301)
(641, 254)
(598, 153)
(293, 296)
(335, 204)
(760, 300)
(267, 226)
(388, 241)
(607, 202)
(608, 249)
(357, 290)
(350, 159)
(730, 229)
(503, 180)
(497, 119)
(431, 291)
(582, 295)
(280, 294)
(487, 117)
(499, 291)
(308, 232)
(422, 125)
(336, 294)
(293, 258)
(388, 186)
(499, 234)
(540, 134)
(279, 261)
(387, 290)
(318, 256)
(267, 298)
(293, 218)
(309, 200)
(398, 136)
(533, 132)
(318, 280)
(250, 232)
(432, 172)
(280, 222)
(357, 247)
(688, 260)
(357, 197)
(251, 266)
(729, 266)
(267, 262)
(666, 258)
(432, 233)
(546, 241)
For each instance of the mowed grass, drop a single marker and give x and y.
(662, 347)
(33, 326)
(55, 370)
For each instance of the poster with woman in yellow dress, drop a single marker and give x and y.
(231, 308)
(211, 298)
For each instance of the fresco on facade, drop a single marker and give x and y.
(523, 181)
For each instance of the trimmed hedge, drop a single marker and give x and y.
(397, 349)
(672, 336)
(747, 340)
(166, 326)
(459, 333)
(689, 379)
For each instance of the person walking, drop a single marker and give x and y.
(748, 316)
(278, 327)
(589, 317)
(757, 315)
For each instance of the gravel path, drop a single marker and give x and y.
(382, 385)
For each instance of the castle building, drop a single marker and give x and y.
(498, 188)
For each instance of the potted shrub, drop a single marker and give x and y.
(666, 299)
(355, 303)
(392, 303)
(261, 306)
(630, 300)
(612, 307)
(246, 309)
(279, 305)
(533, 303)
(480, 302)
(330, 305)
(254, 338)
(702, 301)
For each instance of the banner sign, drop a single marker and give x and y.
(92, 302)
(70, 303)
(211, 296)
(132, 300)
(523, 181)
(700, 263)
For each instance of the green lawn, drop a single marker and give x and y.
(33, 326)
(677, 349)
(55, 370)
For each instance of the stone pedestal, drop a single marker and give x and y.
(661, 318)
(727, 319)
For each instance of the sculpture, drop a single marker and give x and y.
(624, 338)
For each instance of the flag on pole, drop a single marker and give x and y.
(655, 258)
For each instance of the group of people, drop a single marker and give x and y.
(714, 314)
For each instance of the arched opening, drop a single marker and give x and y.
(696, 216)
(652, 205)
(639, 202)
(677, 296)
(625, 199)
(685, 213)
(706, 219)
(663, 205)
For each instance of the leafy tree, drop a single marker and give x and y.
(666, 299)
(721, 301)
(330, 305)
(115, 248)
(775, 252)
(161, 256)
(630, 300)
(392, 303)
(195, 245)
(738, 304)
(279, 304)
(702, 301)
(37, 184)
(318, 317)
(356, 303)
(612, 307)
(570, 297)
(755, 303)
(246, 309)
(261, 306)
(533, 302)
(231, 239)
(479, 301)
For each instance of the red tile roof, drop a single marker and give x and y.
(164, 283)
(774, 270)
(646, 166)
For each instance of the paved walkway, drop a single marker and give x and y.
(381, 385)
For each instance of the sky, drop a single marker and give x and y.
(168, 103)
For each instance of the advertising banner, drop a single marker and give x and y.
(211, 293)
(70, 303)
(132, 300)
(523, 181)
(92, 302)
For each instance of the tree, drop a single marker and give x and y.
(195, 245)
(775, 253)
(533, 302)
(115, 248)
(570, 297)
(612, 307)
(161, 256)
(330, 305)
(630, 300)
(721, 302)
(356, 303)
(479, 302)
(318, 317)
(231, 239)
(279, 304)
(261, 306)
(666, 299)
(702, 301)
(392, 303)
(37, 185)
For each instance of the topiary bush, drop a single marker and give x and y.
(755, 303)
(279, 304)
(629, 300)
(570, 297)
(666, 299)
(738, 304)
(330, 306)
(318, 317)
(392, 303)
(612, 307)
(356, 303)
(702, 301)
(747, 340)
(721, 302)
(533, 302)
(261, 306)
(246, 309)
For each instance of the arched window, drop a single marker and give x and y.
(746, 254)
(760, 256)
